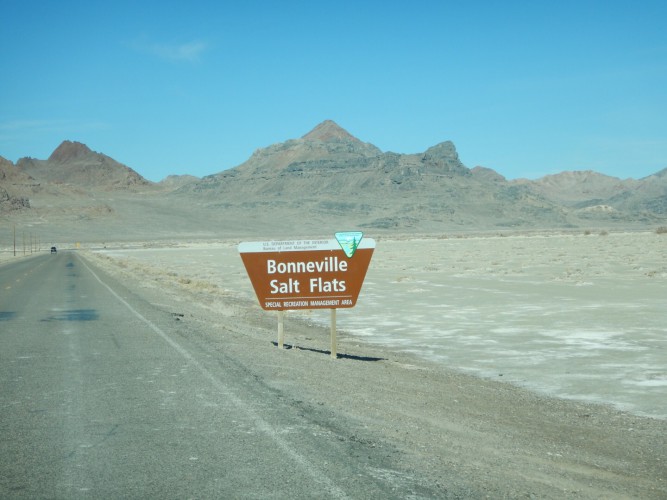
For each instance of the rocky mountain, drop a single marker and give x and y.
(330, 175)
(74, 164)
(12, 184)
(579, 187)
(647, 195)
(75, 191)
(172, 182)
(591, 191)
(324, 181)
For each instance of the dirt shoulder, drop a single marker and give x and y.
(463, 435)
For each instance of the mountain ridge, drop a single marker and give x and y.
(325, 180)
(388, 189)
(73, 163)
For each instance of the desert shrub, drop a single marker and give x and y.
(661, 230)
(604, 233)
(587, 232)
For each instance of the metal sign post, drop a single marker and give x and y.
(281, 328)
(334, 346)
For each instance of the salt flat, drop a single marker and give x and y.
(578, 316)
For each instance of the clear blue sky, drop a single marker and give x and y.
(526, 88)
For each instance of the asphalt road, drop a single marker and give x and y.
(103, 395)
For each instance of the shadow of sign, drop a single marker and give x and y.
(74, 315)
(324, 351)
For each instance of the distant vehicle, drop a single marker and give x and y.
(54, 250)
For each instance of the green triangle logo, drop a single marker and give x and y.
(349, 241)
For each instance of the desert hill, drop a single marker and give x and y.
(591, 191)
(75, 164)
(648, 195)
(331, 175)
(11, 182)
(172, 182)
(72, 193)
(324, 181)
(574, 187)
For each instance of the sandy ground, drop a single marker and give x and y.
(551, 325)
(576, 316)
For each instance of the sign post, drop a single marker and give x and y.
(281, 328)
(334, 343)
(308, 274)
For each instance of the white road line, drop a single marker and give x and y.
(315, 473)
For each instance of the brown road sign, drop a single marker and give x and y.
(302, 274)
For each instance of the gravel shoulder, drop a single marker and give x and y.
(458, 435)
